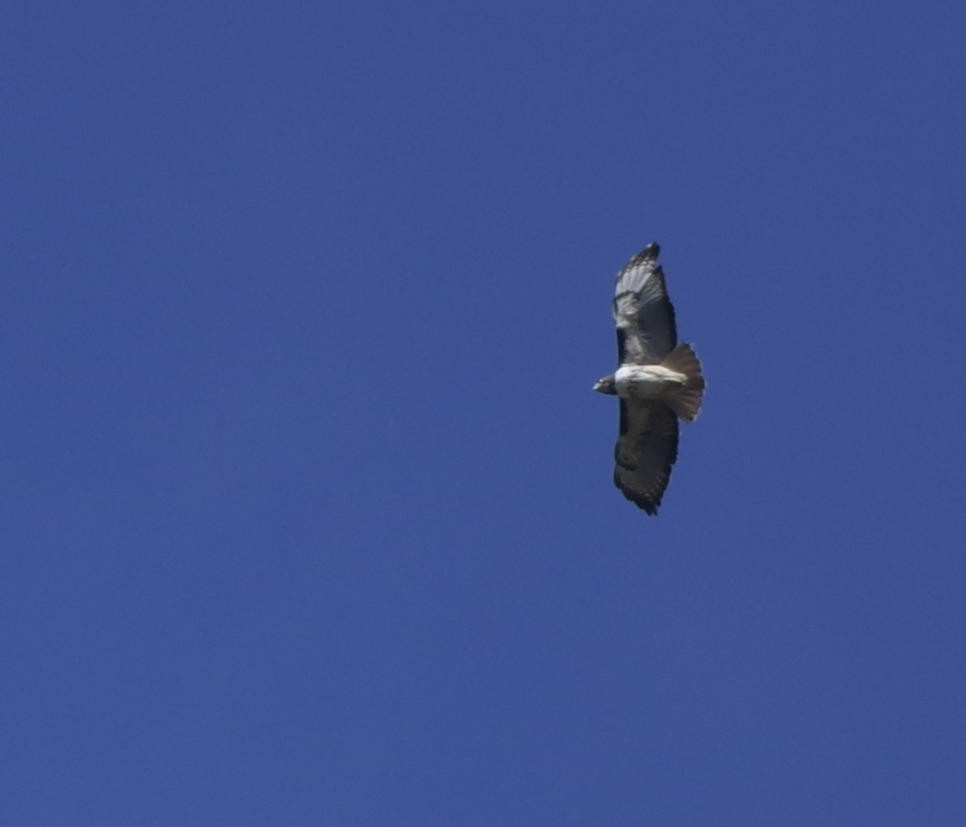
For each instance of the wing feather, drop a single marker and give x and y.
(645, 451)
(646, 329)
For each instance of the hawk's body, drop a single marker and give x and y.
(657, 381)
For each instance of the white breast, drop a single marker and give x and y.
(646, 381)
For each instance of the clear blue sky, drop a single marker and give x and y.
(307, 514)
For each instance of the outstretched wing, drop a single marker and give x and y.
(646, 332)
(645, 451)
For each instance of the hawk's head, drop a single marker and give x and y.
(605, 385)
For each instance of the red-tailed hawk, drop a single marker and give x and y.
(657, 381)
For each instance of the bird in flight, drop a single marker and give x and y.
(657, 381)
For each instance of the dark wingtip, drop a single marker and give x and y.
(648, 254)
(648, 506)
(646, 502)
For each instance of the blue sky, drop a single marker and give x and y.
(307, 506)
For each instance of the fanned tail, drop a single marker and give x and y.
(686, 402)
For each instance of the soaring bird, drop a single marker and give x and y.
(657, 381)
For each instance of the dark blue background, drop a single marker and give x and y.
(307, 514)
